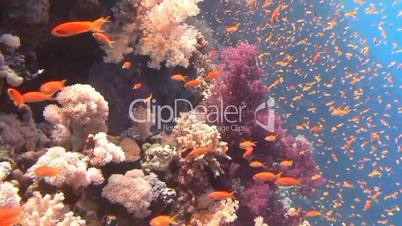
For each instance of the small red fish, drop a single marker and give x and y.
(179, 77)
(34, 97)
(286, 163)
(16, 97)
(199, 151)
(193, 83)
(247, 143)
(313, 213)
(101, 37)
(213, 74)
(162, 220)
(287, 181)
(137, 85)
(78, 27)
(52, 87)
(220, 195)
(46, 171)
(367, 205)
(249, 151)
(9, 216)
(266, 176)
(126, 65)
(256, 164)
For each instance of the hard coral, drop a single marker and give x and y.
(83, 111)
(72, 168)
(157, 157)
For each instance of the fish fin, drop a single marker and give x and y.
(63, 81)
(231, 194)
(97, 24)
(278, 175)
(173, 219)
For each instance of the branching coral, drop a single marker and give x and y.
(48, 211)
(83, 111)
(11, 43)
(72, 168)
(20, 133)
(132, 190)
(103, 151)
(166, 36)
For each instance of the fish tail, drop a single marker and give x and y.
(173, 219)
(97, 24)
(231, 194)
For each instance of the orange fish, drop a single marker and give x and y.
(212, 53)
(213, 74)
(316, 129)
(199, 151)
(233, 28)
(126, 65)
(16, 97)
(247, 143)
(275, 14)
(77, 27)
(286, 163)
(9, 216)
(287, 181)
(192, 83)
(313, 213)
(101, 37)
(34, 97)
(266, 176)
(220, 195)
(315, 176)
(256, 164)
(46, 171)
(137, 85)
(270, 138)
(367, 205)
(178, 77)
(316, 58)
(149, 98)
(52, 87)
(162, 220)
(249, 151)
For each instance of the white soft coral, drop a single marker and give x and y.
(72, 169)
(166, 36)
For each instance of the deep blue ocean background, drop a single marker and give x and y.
(380, 84)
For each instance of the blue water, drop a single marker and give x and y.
(380, 86)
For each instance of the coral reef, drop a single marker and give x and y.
(11, 43)
(20, 133)
(256, 198)
(157, 157)
(166, 36)
(72, 169)
(131, 190)
(5, 168)
(9, 195)
(222, 213)
(238, 84)
(48, 211)
(103, 151)
(83, 111)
